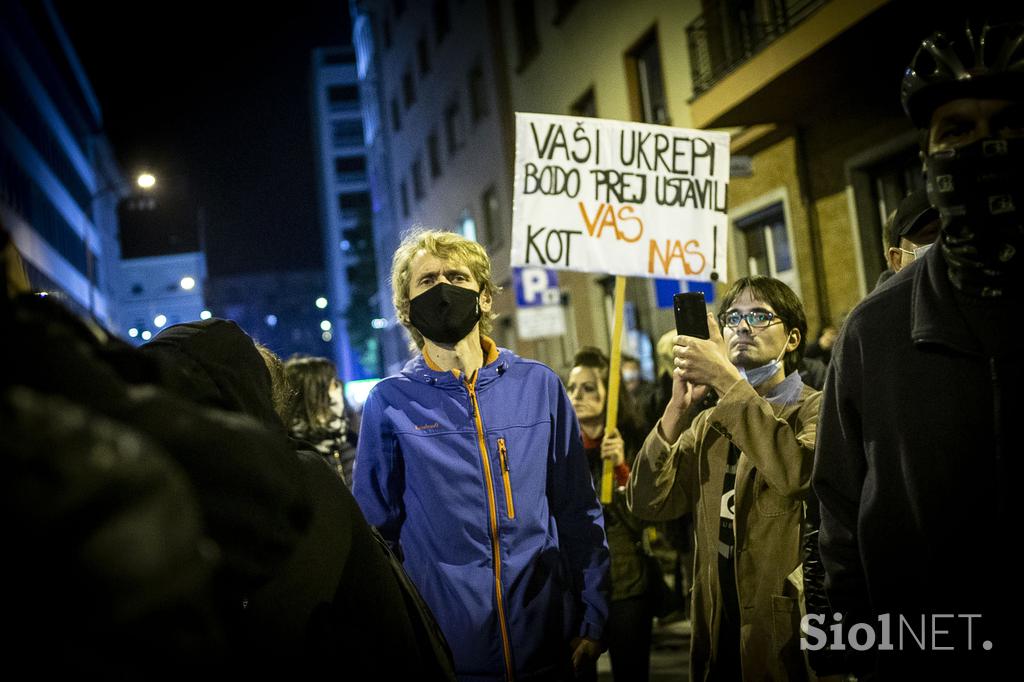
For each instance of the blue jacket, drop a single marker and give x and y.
(483, 484)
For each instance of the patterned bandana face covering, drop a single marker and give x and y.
(979, 192)
(445, 313)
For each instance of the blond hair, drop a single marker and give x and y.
(446, 246)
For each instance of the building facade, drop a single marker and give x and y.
(276, 309)
(345, 212)
(59, 181)
(438, 134)
(807, 89)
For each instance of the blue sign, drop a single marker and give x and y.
(665, 289)
(536, 287)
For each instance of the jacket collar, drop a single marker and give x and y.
(496, 360)
(934, 316)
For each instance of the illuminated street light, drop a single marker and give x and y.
(147, 335)
(205, 315)
(187, 283)
(146, 180)
(379, 323)
(326, 325)
(326, 336)
(321, 303)
(160, 320)
(133, 332)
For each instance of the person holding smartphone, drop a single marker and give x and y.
(742, 468)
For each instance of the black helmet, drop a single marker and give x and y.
(985, 62)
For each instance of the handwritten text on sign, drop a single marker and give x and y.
(620, 198)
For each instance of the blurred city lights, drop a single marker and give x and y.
(187, 283)
(326, 325)
(43, 294)
(345, 245)
(133, 332)
(326, 336)
(205, 315)
(160, 320)
(321, 303)
(379, 323)
(145, 180)
(147, 335)
(271, 320)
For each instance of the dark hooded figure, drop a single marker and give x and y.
(335, 601)
(182, 531)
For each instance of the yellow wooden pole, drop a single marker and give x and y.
(612, 403)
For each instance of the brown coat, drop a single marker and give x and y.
(772, 478)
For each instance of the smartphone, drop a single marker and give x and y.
(691, 314)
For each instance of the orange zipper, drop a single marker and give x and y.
(506, 477)
(493, 514)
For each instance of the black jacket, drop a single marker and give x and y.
(298, 582)
(913, 465)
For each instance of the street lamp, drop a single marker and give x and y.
(145, 180)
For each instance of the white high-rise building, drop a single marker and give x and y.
(345, 212)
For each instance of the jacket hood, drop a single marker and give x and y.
(214, 363)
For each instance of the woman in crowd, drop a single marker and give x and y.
(317, 413)
(630, 620)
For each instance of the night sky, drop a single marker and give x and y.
(218, 101)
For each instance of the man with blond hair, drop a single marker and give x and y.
(470, 463)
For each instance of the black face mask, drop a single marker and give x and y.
(979, 191)
(445, 313)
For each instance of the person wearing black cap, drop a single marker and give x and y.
(916, 450)
(913, 229)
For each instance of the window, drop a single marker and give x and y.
(586, 105)
(493, 232)
(396, 115)
(403, 195)
(763, 246)
(478, 106)
(350, 168)
(647, 80)
(433, 155)
(408, 88)
(452, 135)
(442, 20)
(343, 94)
(423, 53)
(347, 133)
(417, 180)
(526, 32)
(879, 185)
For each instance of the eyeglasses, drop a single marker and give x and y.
(756, 319)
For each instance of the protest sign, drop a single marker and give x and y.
(619, 198)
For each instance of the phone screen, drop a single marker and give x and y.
(691, 314)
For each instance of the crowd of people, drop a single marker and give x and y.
(198, 501)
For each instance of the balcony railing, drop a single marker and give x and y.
(730, 32)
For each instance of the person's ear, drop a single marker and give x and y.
(895, 258)
(793, 342)
(486, 301)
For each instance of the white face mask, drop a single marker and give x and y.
(337, 400)
(757, 376)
